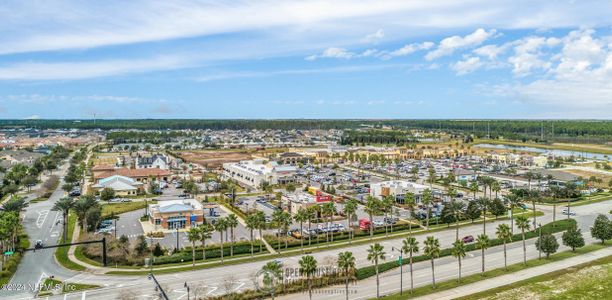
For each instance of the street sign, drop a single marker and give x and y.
(399, 260)
(8, 253)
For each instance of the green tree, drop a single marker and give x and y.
(573, 238)
(372, 207)
(602, 229)
(232, 223)
(498, 208)
(251, 225)
(346, 263)
(523, 224)
(427, 200)
(410, 246)
(308, 267)
(473, 211)
(482, 243)
(206, 231)
(387, 205)
(82, 208)
(503, 233)
(376, 253)
(64, 205)
(221, 226)
(261, 225)
(272, 273)
(193, 236)
(432, 249)
(301, 216)
(157, 250)
(107, 193)
(458, 251)
(547, 244)
(350, 208)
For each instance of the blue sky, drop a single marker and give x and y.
(306, 59)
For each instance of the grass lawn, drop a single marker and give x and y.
(61, 254)
(570, 147)
(123, 207)
(449, 284)
(59, 287)
(592, 280)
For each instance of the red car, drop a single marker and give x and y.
(467, 239)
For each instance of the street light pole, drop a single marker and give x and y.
(401, 263)
(187, 287)
(177, 236)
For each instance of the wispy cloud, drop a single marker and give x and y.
(345, 69)
(450, 44)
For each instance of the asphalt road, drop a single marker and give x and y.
(214, 281)
(41, 223)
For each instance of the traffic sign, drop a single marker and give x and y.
(399, 260)
(9, 253)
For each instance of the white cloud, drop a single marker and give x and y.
(411, 48)
(44, 99)
(491, 51)
(450, 44)
(375, 37)
(468, 65)
(90, 69)
(63, 24)
(528, 55)
(32, 117)
(332, 52)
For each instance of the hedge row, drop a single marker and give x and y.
(558, 226)
(213, 251)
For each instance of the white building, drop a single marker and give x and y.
(397, 188)
(122, 185)
(155, 161)
(254, 172)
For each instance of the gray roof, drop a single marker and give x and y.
(175, 208)
(147, 160)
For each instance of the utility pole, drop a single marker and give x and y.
(488, 130)
(542, 131)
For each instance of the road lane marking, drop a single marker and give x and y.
(42, 216)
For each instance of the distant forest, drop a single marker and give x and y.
(595, 131)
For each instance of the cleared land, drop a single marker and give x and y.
(589, 281)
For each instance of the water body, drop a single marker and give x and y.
(553, 152)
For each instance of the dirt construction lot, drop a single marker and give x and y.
(214, 159)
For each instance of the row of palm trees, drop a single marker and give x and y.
(224, 226)
(410, 246)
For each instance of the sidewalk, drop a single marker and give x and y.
(495, 282)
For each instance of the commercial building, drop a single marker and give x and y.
(254, 172)
(123, 186)
(397, 189)
(176, 213)
(301, 200)
(141, 175)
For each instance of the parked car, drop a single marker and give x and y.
(378, 223)
(74, 193)
(39, 244)
(467, 239)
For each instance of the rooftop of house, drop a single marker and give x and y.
(134, 173)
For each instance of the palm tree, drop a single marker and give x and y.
(410, 246)
(260, 222)
(372, 207)
(523, 224)
(455, 209)
(312, 212)
(427, 200)
(206, 231)
(346, 263)
(529, 176)
(503, 233)
(82, 207)
(232, 222)
(301, 216)
(251, 225)
(484, 203)
(285, 224)
(272, 272)
(432, 249)
(410, 204)
(221, 226)
(375, 254)
(482, 242)
(329, 209)
(514, 201)
(474, 188)
(458, 251)
(350, 208)
(277, 219)
(386, 206)
(308, 267)
(64, 205)
(193, 235)
(495, 187)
